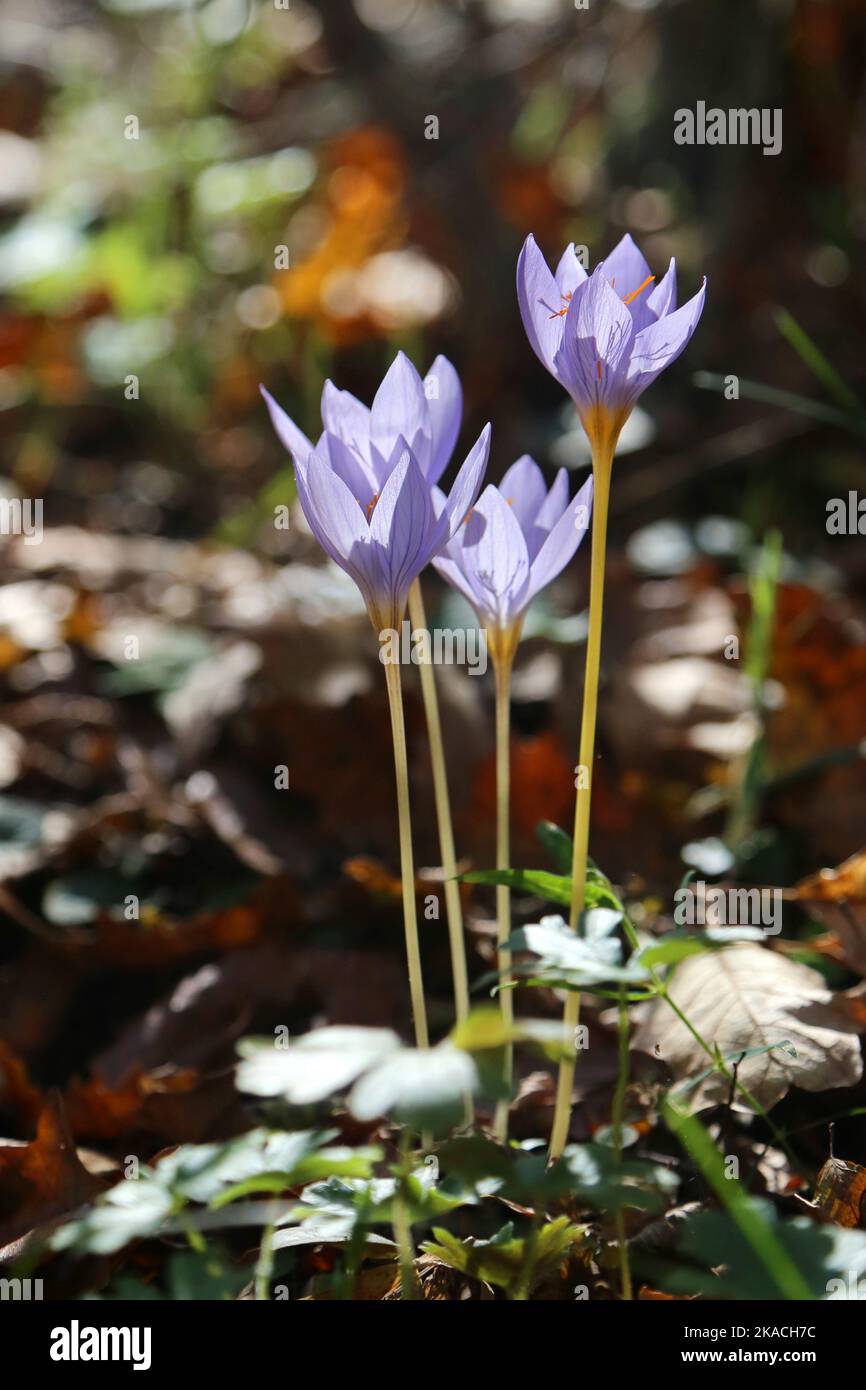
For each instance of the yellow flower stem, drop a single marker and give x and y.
(502, 662)
(407, 867)
(601, 465)
(453, 910)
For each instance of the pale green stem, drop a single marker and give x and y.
(453, 909)
(407, 867)
(616, 1125)
(502, 662)
(265, 1265)
(601, 466)
(402, 1227)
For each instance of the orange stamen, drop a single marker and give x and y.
(634, 294)
(566, 299)
(371, 504)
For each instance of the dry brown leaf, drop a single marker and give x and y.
(746, 997)
(840, 1193)
(837, 899)
(44, 1179)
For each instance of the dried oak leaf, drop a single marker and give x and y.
(749, 997)
(42, 1180)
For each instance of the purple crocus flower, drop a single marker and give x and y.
(604, 336)
(367, 488)
(517, 538)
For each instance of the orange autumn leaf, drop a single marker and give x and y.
(843, 884)
(99, 1111)
(43, 1179)
(840, 1192)
(17, 1092)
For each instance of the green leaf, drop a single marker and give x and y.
(80, 897)
(746, 1215)
(553, 888)
(138, 1207)
(314, 1067)
(204, 1275)
(809, 352)
(579, 959)
(507, 1260)
(485, 1029)
(676, 946)
(333, 1230)
(371, 1202)
(557, 844)
(830, 1262)
(426, 1088)
(342, 1162)
(785, 400)
(167, 659)
(605, 1182)
(134, 1209)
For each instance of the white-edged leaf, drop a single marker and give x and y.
(317, 1065)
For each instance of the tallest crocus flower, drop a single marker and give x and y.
(605, 337)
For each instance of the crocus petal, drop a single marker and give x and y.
(346, 417)
(549, 513)
(452, 572)
(291, 437)
(663, 299)
(495, 560)
(625, 269)
(562, 542)
(403, 526)
(595, 345)
(569, 273)
(334, 515)
(467, 482)
(356, 474)
(400, 408)
(444, 396)
(316, 523)
(540, 303)
(524, 489)
(660, 344)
